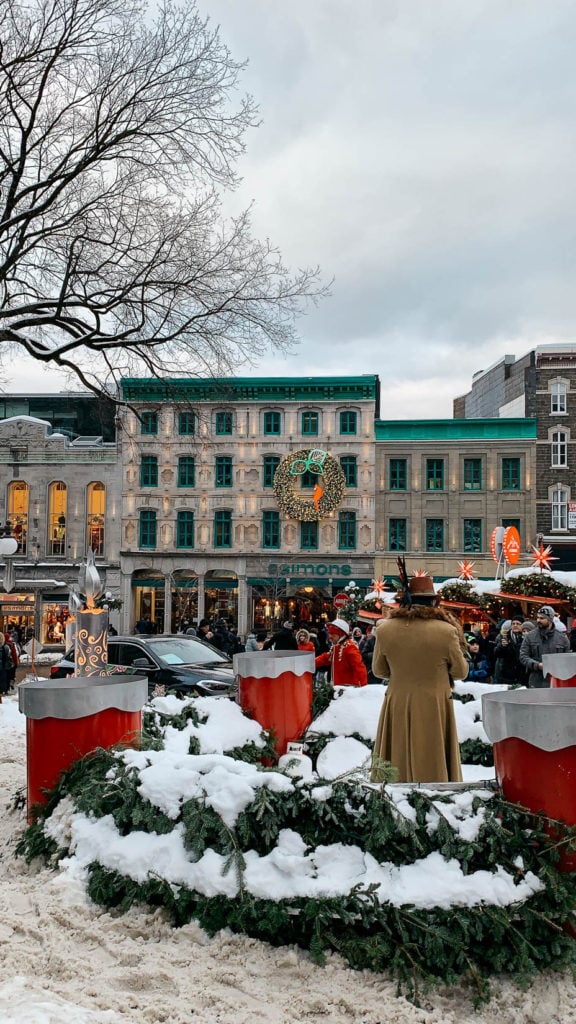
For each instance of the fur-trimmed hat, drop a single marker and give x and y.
(340, 624)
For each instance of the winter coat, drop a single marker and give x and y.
(419, 651)
(345, 663)
(478, 669)
(508, 670)
(5, 667)
(251, 643)
(367, 652)
(534, 645)
(283, 640)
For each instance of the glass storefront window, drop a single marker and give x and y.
(18, 498)
(57, 507)
(96, 504)
(53, 628)
(149, 604)
(221, 602)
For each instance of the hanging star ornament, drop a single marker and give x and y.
(378, 586)
(420, 572)
(543, 557)
(467, 570)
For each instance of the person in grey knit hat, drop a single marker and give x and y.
(544, 639)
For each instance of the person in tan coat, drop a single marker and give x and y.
(418, 649)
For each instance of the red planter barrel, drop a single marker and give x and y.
(560, 669)
(534, 737)
(68, 718)
(276, 688)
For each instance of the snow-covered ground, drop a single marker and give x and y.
(65, 959)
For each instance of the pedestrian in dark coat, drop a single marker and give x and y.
(508, 670)
(283, 640)
(545, 639)
(5, 665)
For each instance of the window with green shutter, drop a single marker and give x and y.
(223, 529)
(147, 528)
(185, 529)
(186, 471)
(149, 471)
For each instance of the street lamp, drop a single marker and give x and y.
(8, 548)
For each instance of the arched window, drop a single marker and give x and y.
(95, 517)
(57, 510)
(559, 508)
(18, 498)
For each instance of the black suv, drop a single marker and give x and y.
(184, 664)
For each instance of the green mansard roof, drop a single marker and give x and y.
(455, 430)
(252, 389)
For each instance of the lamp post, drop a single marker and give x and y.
(8, 548)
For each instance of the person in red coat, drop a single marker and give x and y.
(343, 658)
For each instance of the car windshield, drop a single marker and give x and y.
(185, 651)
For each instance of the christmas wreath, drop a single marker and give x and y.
(328, 491)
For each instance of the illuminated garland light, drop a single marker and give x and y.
(327, 495)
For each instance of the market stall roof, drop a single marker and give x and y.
(542, 599)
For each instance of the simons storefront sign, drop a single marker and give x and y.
(309, 569)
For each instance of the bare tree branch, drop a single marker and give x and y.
(117, 136)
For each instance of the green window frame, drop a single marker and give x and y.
(149, 471)
(472, 536)
(185, 529)
(148, 528)
(187, 422)
(510, 474)
(348, 421)
(434, 474)
(434, 535)
(223, 422)
(512, 522)
(223, 528)
(349, 467)
(186, 471)
(346, 530)
(271, 463)
(310, 423)
(272, 422)
(309, 536)
(397, 534)
(270, 529)
(223, 471)
(149, 422)
(398, 474)
(472, 474)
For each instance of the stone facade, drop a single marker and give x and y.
(444, 485)
(540, 385)
(60, 496)
(202, 530)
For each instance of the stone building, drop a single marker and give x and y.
(443, 486)
(61, 496)
(541, 385)
(205, 533)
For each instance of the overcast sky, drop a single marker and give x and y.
(423, 153)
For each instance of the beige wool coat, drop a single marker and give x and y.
(418, 651)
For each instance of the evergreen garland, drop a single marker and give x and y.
(420, 947)
(537, 584)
